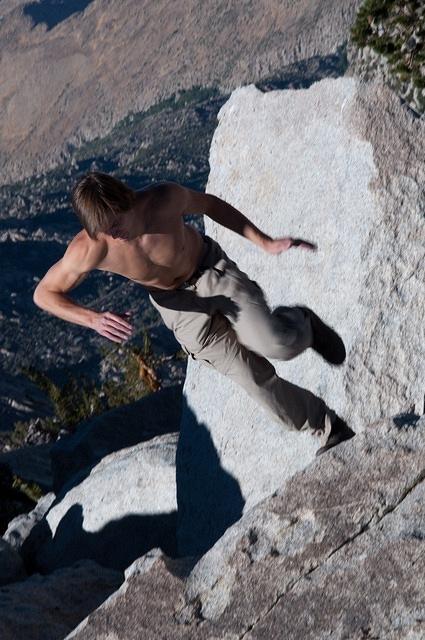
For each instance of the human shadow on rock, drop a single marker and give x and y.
(407, 419)
(115, 545)
(204, 490)
(209, 499)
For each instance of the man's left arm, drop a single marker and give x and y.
(220, 211)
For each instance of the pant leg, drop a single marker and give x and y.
(282, 333)
(198, 317)
(213, 341)
(292, 406)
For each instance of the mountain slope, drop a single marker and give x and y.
(73, 81)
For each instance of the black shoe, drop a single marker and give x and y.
(336, 431)
(326, 341)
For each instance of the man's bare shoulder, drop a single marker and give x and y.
(161, 189)
(165, 195)
(181, 200)
(85, 251)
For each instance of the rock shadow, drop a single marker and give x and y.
(52, 12)
(303, 73)
(204, 490)
(408, 419)
(209, 499)
(116, 545)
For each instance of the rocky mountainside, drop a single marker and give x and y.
(202, 516)
(69, 76)
(337, 551)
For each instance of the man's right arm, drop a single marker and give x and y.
(65, 275)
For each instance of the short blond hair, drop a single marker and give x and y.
(98, 199)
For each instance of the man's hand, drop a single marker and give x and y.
(112, 326)
(283, 244)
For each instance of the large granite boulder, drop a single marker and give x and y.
(123, 508)
(20, 527)
(340, 164)
(337, 551)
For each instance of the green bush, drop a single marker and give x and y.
(81, 398)
(385, 26)
(31, 489)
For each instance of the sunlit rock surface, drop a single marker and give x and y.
(339, 164)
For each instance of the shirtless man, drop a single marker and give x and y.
(216, 312)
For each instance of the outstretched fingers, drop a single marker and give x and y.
(304, 244)
(112, 336)
(115, 327)
(116, 319)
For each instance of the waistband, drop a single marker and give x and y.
(199, 270)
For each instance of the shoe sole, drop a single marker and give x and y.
(334, 440)
(324, 433)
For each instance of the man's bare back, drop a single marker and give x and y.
(152, 246)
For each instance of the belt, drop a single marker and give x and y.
(199, 270)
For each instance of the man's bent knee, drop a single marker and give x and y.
(283, 352)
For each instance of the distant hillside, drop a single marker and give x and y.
(70, 76)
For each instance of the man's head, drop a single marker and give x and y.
(99, 201)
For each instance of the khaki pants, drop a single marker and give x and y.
(221, 318)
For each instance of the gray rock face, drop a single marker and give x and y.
(20, 527)
(349, 515)
(122, 616)
(340, 164)
(125, 506)
(11, 567)
(50, 606)
(337, 552)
